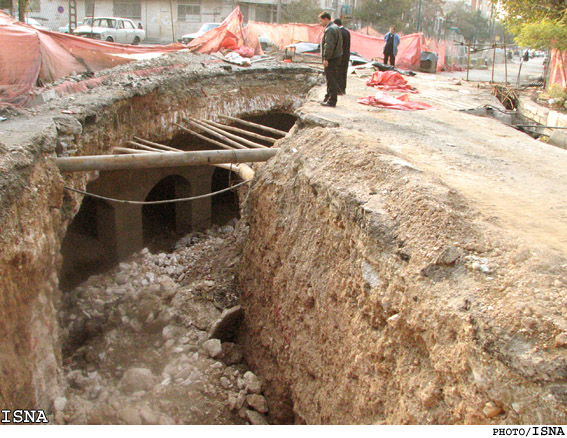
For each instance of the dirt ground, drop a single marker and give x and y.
(518, 183)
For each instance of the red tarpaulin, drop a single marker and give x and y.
(558, 68)
(227, 36)
(402, 102)
(390, 80)
(31, 58)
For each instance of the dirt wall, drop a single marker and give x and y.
(35, 210)
(374, 294)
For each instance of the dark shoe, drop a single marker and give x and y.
(332, 105)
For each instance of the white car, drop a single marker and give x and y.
(112, 29)
(34, 22)
(65, 29)
(187, 38)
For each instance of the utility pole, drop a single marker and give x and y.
(419, 17)
(279, 12)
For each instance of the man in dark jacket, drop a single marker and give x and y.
(343, 70)
(332, 52)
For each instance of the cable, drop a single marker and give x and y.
(166, 201)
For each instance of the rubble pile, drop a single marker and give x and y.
(151, 341)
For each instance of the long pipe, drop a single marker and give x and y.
(155, 160)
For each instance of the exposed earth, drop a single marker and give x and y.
(484, 200)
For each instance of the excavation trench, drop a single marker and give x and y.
(96, 251)
(370, 291)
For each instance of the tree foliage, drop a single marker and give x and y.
(381, 14)
(537, 23)
(470, 24)
(304, 11)
(517, 13)
(543, 34)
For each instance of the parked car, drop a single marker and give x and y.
(65, 29)
(112, 29)
(187, 38)
(36, 23)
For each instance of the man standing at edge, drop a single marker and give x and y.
(343, 70)
(331, 51)
(392, 40)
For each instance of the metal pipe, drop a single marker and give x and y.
(203, 137)
(156, 160)
(212, 132)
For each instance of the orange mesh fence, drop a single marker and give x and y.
(31, 58)
(558, 70)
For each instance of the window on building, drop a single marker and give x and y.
(128, 9)
(89, 8)
(189, 11)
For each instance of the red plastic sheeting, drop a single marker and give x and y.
(282, 35)
(227, 36)
(390, 80)
(402, 102)
(558, 68)
(31, 58)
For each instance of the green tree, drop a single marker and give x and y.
(470, 24)
(518, 13)
(382, 13)
(303, 11)
(537, 23)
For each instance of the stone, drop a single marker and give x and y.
(449, 256)
(231, 353)
(561, 340)
(224, 328)
(255, 418)
(257, 402)
(121, 278)
(252, 382)
(67, 125)
(213, 347)
(171, 332)
(137, 379)
(225, 383)
(59, 404)
(491, 410)
(130, 415)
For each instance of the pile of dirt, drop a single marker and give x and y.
(148, 342)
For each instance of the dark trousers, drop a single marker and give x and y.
(332, 76)
(343, 72)
(392, 59)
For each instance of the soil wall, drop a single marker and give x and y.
(374, 294)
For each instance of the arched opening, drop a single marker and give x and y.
(169, 220)
(224, 206)
(89, 246)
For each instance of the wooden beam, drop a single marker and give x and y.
(129, 151)
(156, 160)
(256, 125)
(215, 134)
(203, 137)
(148, 148)
(157, 145)
(225, 128)
(211, 125)
(244, 132)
